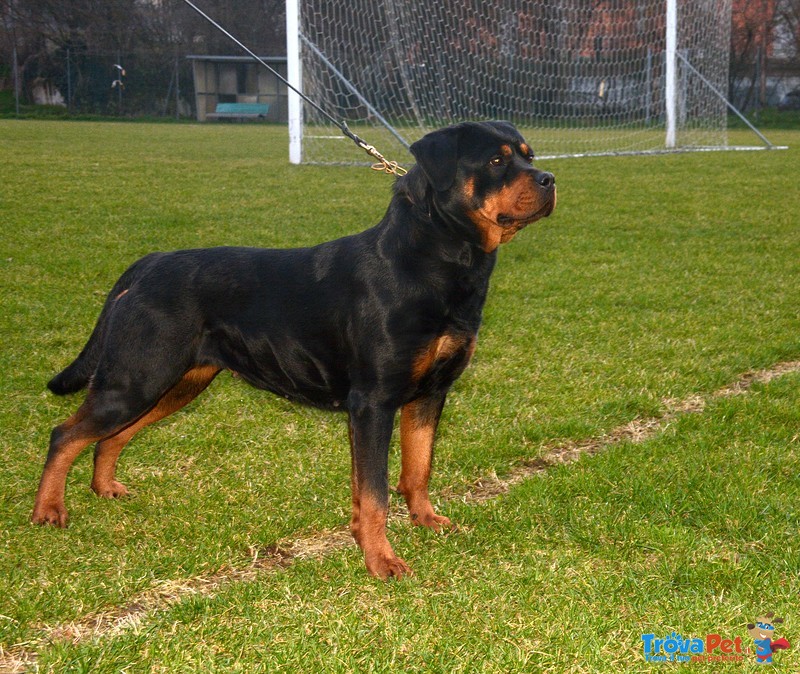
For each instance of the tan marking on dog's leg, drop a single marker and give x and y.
(66, 443)
(107, 452)
(416, 443)
(369, 529)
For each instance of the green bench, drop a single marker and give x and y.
(239, 111)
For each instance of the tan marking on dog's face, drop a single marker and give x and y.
(469, 189)
(520, 202)
(525, 149)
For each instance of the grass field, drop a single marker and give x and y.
(657, 282)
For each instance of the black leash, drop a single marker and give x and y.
(383, 164)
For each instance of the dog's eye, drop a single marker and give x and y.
(529, 158)
(496, 161)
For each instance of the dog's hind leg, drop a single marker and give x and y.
(107, 451)
(109, 411)
(66, 442)
(99, 416)
(418, 422)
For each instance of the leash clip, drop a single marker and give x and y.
(383, 164)
(389, 167)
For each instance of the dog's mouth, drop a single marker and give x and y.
(500, 226)
(510, 221)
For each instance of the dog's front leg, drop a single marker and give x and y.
(418, 422)
(370, 433)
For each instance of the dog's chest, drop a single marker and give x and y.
(444, 358)
(440, 360)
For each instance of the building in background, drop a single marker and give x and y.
(765, 53)
(237, 87)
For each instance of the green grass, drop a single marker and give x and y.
(563, 574)
(657, 277)
(768, 118)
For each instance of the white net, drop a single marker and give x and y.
(576, 76)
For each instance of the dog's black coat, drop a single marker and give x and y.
(349, 325)
(309, 324)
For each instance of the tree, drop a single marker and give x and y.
(75, 44)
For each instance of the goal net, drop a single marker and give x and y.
(576, 76)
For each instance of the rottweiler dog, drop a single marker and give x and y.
(369, 324)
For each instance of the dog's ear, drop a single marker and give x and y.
(437, 155)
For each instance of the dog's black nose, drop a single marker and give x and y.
(545, 179)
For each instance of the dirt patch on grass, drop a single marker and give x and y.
(638, 430)
(321, 544)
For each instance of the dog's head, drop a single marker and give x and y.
(481, 174)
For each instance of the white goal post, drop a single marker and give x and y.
(578, 77)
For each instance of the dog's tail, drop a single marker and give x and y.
(78, 374)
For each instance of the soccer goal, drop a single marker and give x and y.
(577, 77)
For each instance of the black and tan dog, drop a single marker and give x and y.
(383, 320)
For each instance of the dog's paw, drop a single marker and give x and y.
(431, 520)
(388, 566)
(111, 489)
(52, 514)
